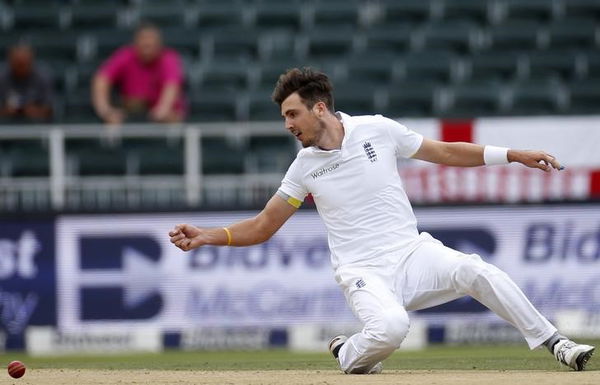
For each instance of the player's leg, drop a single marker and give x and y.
(436, 274)
(385, 323)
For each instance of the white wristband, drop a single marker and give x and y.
(493, 155)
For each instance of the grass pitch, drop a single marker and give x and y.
(448, 365)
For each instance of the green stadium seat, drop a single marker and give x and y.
(531, 10)
(213, 106)
(155, 156)
(584, 96)
(261, 107)
(329, 43)
(218, 16)
(106, 42)
(552, 64)
(429, 65)
(514, 36)
(222, 156)
(581, 8)
(456, 36)
(85, 16)
(54, 45)
(593, 64)
(235, 44)
(269, 71)
(185, 40)
(24, 157)
(224, 75)
(375, 67)
(572, 33)
(271, 153)
(277, 15)
(493, 66)
(42, 16)
(534, 97)
(474, 11)
(411, 99)
(406, 11)
(343, 15)
(355, 98)
(87, 157)
(475, 99)
(389, 38)
(78, 107)
(163, 15)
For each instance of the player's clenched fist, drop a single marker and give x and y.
(186, 237)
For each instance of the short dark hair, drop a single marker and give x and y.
(312, 87)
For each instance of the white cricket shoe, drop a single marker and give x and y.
(572, 354)
(335, 345)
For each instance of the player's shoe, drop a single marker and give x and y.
(335, 344)
(572, 354)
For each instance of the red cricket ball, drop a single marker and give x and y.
(16, 369)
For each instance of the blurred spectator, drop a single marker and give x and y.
(25, 91)
(149, 77)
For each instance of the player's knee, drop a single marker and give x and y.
(391, 329)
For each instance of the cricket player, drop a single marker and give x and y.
(381, 262)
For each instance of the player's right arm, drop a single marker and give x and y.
(245, 233)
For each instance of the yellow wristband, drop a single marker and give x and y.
(228, 236)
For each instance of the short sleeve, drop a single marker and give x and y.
(173, 72)
(114, 65)
(292, 182)
(406, 142)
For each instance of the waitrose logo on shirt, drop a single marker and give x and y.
(324, 170)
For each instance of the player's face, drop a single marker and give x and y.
(301, 121)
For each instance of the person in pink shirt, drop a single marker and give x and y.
(149, 77)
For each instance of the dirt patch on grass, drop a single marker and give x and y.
(301, 377)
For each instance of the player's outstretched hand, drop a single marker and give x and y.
(534, 159)
(186, 237)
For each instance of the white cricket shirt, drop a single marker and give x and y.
(357, 189)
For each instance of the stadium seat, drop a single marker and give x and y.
(224, 75)
(455, 36)
(222, 156)
(261, 107)
(493, 66)
(330, 43)
(548, 64)
(581, 8)
(428, 65)
(584, 96)
(43, 16)
(375, 67)
(217, 16)
(55, 45)
(85, 17)
(474, 11)
(155, 156)
(406, 11)
(271, 153)
(277, 16)
(24, 157)
(592, 60)
(106, 42)
(213, 106)
(530, 10)
(269, 71)
(355, 98)
(475, 99)
(235, 44)
(162, 15)
(78, 107)
(410, 98)
(335, 15)
(95, 157)
(389, 38)
(535, 97)
(184, 40)
(572, 33)
(513, 36)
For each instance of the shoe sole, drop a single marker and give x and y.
(583, 359)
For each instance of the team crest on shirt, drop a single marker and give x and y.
(370, 151)
(360, 283)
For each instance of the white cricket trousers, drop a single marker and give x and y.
(431, 275)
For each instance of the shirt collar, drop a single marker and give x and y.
(348, 126)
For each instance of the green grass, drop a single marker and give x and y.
(435, 357)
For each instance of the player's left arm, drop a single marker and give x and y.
(464, 154)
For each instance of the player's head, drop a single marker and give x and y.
(147, 41)
(305, 99)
